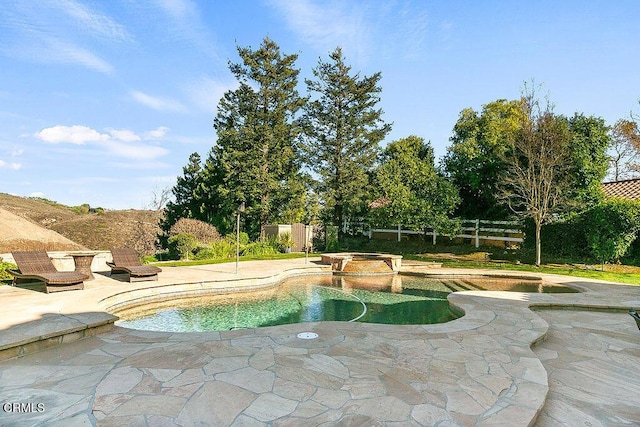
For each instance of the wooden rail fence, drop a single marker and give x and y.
(476, 230)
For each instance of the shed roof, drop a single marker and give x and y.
(627, 189)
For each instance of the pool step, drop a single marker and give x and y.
(457, 285)
(471, 285)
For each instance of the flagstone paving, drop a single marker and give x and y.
(593, 361)
(476, 370)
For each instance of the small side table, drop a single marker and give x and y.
(83, 261)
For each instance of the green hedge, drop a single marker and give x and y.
(566, 239)
(607, 232)
(612, 228)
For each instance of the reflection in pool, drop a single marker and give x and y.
(389, 299)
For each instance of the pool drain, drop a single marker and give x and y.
(307, 335)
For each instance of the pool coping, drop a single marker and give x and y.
(72, 327)
(58, 319)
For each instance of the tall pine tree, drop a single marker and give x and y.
(187, 196)
(343, 130)
(256, 159)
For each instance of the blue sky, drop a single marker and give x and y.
(102, 102)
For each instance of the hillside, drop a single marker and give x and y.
(32, 223)
(18, 233)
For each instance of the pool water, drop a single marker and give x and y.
(389, 299)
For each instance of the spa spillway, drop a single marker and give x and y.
(363, 264)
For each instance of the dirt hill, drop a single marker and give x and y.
(18, 233)
(34, 223)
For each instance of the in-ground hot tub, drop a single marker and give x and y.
(361, 264)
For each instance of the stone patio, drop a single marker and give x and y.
(75, 369)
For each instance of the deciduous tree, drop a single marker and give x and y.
(624, 152)
(474, 161)
(414, 193)
(589, 161)
(537, 182)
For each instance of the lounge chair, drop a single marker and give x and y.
(636, 317)
(37, 266)
(125, 260)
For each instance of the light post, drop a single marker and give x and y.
(240, 209)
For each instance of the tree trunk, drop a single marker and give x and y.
(538, 250)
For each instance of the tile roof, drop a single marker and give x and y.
(627, 189)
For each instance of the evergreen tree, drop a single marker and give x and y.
(256, 159)
(215, 211)
(343, 130)
(187, 196)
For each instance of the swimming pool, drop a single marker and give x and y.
(389, 299)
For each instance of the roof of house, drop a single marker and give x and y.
(628, 188)
(379, 203)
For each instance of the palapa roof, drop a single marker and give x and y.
(627, 189)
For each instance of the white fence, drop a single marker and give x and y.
(476, 230)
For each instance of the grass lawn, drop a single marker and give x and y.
(223, 260)
(467, 256)
(632, 277)
(459, 256)
(451, 256)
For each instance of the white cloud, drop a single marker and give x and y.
(178, 9)
(160, 104)
(412, 34)
(157, 133)
(70, 53)
(122, 143)
(96, 23)
(51, 32)
(17, 152)
(37, 194)
(70, 134)
(206, 92)
(124, 135)
(49, 50)
(135, 151)
(185, 24)
(363, 29)
(10, 165)
(326, 25)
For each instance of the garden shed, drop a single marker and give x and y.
(300, 234)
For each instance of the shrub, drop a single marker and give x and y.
(4, 266)
(205, 253)
(633, 254)
(182, 245)
(612, 228)
(244, 238)
(284, 241)
(265, 247)
(82, 209)
(217, 250)
(202, 231)
(331, 236)
(149, 259)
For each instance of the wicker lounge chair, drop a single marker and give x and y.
(36, 266)
(125, 260)
(636, 317)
